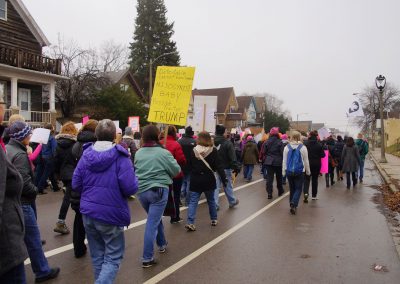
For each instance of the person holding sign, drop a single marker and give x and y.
(12, 246)
(20, 133)
(176, 150)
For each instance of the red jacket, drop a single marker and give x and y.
(176, 150)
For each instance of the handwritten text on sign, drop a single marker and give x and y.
(171, 96)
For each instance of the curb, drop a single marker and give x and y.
(384, 175)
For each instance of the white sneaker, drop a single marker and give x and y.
(314, 198)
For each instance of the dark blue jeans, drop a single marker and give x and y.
(44, 171)
(33, 243)
(296, 187)
(16, 275)
(153, 201)
(194, 201)
(248, 171)
(185, 190)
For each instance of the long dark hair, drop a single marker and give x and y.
(150, 134)
(350, 142)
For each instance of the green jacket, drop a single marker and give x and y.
(363, 147)
(155, 167)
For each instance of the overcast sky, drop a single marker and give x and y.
(313, 54)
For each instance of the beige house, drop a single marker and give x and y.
(392, 131)
(227, 106)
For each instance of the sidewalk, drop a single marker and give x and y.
(390, 170)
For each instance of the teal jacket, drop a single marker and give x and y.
(363, 147)
(155, 167)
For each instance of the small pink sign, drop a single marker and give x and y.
(325, 163)
(85, 119)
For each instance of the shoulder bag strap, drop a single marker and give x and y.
(207, 164)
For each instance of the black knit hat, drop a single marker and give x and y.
(220, 129)
(189, 131)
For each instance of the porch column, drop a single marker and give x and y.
(14, 94)
(52, 99)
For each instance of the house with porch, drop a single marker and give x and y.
(248, 106)
(27, 78)
(227, 106)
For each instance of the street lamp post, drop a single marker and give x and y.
(380, 83)
(151, 71)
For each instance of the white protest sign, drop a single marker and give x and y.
(204, 109)
(116, 122)
(78, 126)
(323, 133)
(181, 131)
(40, 135)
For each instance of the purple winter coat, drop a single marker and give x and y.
(105, 181)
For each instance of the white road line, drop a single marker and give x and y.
(165, 273)
(131, 226)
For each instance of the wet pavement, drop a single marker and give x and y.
(336, 239)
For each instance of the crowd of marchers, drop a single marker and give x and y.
(101, 168)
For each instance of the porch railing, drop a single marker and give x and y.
(27, 60)
(33, 117)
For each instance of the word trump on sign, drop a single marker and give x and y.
(171, 96)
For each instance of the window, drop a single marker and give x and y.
(124, 87)
(3, 9)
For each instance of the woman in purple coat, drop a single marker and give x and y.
(105, 177)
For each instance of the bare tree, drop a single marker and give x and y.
(113, 56)
(369, 99)
(273, 103)
(85, 69)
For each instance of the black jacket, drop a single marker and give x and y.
(64, 160)
(273, 151)
(16, 153)
(187, 143)
(315, 153)
(226, 153)
(77, 151)
(12, 229)
(201, 177)
(337, 150)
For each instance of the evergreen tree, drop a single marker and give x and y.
(272, 119)
(152, 38)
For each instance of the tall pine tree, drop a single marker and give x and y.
(152, 38)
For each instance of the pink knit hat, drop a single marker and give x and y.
(274, 131)
(249, 138)
(284, 137)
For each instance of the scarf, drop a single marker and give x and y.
(203, 151)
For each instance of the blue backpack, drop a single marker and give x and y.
(294, 164)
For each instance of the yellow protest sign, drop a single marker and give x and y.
(171, 96)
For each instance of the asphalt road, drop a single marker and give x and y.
(336, 239)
